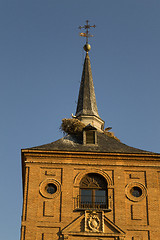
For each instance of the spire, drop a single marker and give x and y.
(87, 100)
(87, 110)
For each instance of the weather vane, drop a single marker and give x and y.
(86, 34)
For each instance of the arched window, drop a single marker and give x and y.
(93, 192)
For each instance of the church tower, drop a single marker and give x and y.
(88, 185)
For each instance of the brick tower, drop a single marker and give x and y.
(88, 185)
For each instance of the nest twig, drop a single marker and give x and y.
(72, 126)
(111, 134)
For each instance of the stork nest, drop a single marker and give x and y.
(72, 126)
(111, 134)
(75, 127)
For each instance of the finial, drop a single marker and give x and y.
(87, 46)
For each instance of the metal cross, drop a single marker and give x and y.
(86, 34)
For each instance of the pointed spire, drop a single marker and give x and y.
(87, 110)
(87, 100)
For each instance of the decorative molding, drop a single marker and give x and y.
(23, 232)
(25, 202)
(43, 185)
(93, 180)
(134, 175)
(136, 212)
(81, 174)
(50, 172)
(48, 208)
(130, 196)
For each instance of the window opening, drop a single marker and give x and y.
(93, 192)
(90, 137)
(136, 191)
(51, 188)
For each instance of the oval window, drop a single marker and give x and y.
(136, 191)
(51, 188)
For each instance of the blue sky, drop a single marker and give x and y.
(41, 56)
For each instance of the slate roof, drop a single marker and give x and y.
(105, 144)
(86, 100)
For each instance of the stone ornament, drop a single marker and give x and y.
(94, 221)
